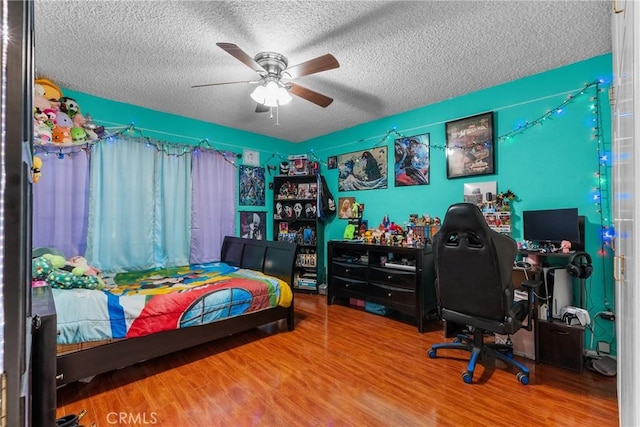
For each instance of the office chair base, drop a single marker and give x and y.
(481, 351)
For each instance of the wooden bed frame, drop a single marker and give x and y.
(272, 258)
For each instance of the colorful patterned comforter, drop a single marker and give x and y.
(143, 303)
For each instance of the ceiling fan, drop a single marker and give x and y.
(273, 68)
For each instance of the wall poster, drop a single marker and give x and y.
(363, 170)
(470, 146)
(251, 186)
(412, 160)
(253, 225)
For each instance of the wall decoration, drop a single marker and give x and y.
(332, 162)
(251, 186)
(412, 160)
(470, 146)
(345, 206)
(253, 225)
(251, 157)
(363, 170)
(480, 193)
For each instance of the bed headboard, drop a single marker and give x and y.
(273, 258)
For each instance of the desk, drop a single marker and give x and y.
(557, 343)
(561, 257)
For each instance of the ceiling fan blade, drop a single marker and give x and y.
(241, 56)
(321, 63)
(261, 108)
(310, 95)
(227, 83)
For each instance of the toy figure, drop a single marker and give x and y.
(565, 245)
(355, 210)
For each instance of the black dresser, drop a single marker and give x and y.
(400, 278)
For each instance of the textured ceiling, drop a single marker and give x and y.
(394, 56)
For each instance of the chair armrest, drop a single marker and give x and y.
(530, 285)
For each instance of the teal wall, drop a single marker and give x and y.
(553, 165)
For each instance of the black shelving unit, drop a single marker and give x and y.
(295, 220)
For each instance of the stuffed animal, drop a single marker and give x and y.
(78, 135)
(69, 106)
(63, 119)
(79, 261)
(40, 268)
(61, 135)
(51, 90)
(57, 261)
(565, 245)
(39, 100)
(36, 169)
(41, 131)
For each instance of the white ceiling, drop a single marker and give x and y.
(394, 55)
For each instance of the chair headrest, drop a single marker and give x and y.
(465, 217)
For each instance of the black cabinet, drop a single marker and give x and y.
(560, 344)
(295, 219)
(43, 362)
(400, 278)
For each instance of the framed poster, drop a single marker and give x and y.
(470, 146)
(253, 225)
(251, 186)
(363, 170)
(411, 160)
(332, 162)
(251, 157)
(345, 205)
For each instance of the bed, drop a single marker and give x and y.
(276, 259)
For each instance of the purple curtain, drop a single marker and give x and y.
(213, 213)
(60, 203)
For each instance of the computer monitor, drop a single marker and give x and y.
(552, 225)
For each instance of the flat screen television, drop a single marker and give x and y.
(551, 225)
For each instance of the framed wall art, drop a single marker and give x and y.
(480, 193)
(363, 170)
(251, 183)
(345, 207)
(470, 146)
(332, 162)
(253, 225)
(411, 160)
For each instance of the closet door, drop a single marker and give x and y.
(626, 205)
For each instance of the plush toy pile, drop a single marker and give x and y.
(57, 119)
(65, 274)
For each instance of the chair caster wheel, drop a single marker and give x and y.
(523, 378)
(467, 377)
(432, 353)
(457, 340)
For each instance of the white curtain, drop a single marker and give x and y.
(139, 206)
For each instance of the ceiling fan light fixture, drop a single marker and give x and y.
(283, 96)
(271, 95)
(258, 94)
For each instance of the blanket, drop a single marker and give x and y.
(141, 303)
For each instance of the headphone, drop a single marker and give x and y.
(579, 265)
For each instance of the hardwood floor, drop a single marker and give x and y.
(340, 367)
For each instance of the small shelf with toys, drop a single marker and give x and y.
(295, 219)
(497, 212)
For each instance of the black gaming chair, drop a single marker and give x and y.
(474, 266)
